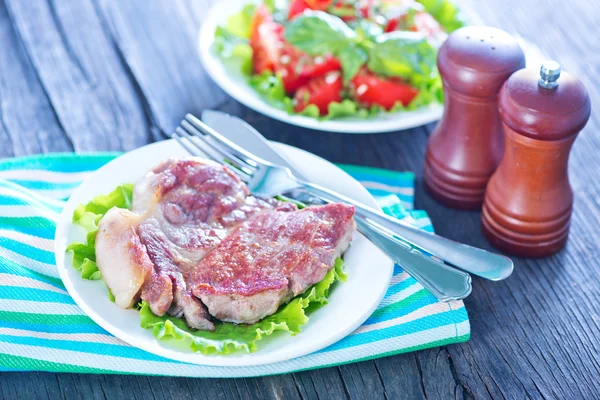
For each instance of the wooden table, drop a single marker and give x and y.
(112, 75)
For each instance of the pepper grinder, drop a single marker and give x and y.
(466, 146)
(528, 202)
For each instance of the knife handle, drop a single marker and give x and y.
(444, 282)
(471, 259)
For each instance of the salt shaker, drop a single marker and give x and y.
(528, 202)
(466, 146)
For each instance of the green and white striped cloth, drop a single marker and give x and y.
(41, 328)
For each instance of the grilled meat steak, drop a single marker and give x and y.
(195, 236)
(269, 259)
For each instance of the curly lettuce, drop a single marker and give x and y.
(227, 337)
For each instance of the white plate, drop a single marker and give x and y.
(234, 83)
(351, 302)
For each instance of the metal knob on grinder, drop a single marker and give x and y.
(466, 145)
(528, 201)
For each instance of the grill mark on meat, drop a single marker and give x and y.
(269, 259)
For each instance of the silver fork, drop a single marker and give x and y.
(443, 281)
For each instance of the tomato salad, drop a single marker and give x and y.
(328, 58)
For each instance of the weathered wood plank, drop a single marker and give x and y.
(158, 43)
(27, 120)
(80, 69)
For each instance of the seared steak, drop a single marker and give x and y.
(269, 259)
(194, 233)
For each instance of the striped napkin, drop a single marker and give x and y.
(42, 329)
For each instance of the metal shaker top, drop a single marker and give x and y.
(476, 60)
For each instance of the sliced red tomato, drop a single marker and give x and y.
(296, 68)
(298, 6)
(265, 40)
(321, 65)
(392, 24)
(370, 89)
(289, 68)
(320, 91)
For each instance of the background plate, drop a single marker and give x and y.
(234, 83)
(351, 302)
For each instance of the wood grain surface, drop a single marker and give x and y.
(82, 75)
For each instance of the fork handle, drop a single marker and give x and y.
(477, 261)
(444, 282)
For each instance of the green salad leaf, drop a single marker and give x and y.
(270, 87)
(239, 24)
(407, 55)
(228, 338)
(231, 40)
(445, 12)
(234, 49)
(87, 216)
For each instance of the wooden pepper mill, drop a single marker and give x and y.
(466, 146)
(528, 202)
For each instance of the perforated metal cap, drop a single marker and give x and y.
(549, 74)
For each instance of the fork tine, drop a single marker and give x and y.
(199, 145)
(250, 158)
(226, 155)
(193, 148)
(190, 149)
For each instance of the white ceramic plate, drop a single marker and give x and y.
(351, 302)
(234, 83)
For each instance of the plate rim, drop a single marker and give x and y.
(244, 360)
(217, 71)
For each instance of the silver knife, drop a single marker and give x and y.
(445, 282)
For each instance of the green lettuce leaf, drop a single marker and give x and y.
(228, 337)
(445, 12)
(231, 40)
(270, 87)
(87, 216)
(239, 23)
(234, 50)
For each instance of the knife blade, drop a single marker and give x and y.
(243, 134)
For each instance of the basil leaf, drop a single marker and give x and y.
(366, 30)
(318, 33)
(352, 58)
(405, 55)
